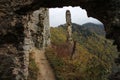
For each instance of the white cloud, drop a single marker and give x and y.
(78, 15)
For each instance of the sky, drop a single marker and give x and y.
(78, 15)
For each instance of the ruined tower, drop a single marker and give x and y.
(69, 26)
(70, 41)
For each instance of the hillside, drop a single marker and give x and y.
(97, 28)
(93, 58)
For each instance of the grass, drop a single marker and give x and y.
(64, 68)
(85, 66)
(33, 69)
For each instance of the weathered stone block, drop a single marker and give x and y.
(27, 41)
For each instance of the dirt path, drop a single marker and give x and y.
(45, 71)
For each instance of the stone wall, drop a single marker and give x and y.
(18, 35)
(12, 54)
(39, 28)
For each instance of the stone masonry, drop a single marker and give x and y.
(18, 35)
(69, 26)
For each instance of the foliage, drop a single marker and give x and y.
(57, 35)
(33, 69)
(93, 56)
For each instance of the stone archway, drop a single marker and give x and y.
(107, 11)
(15, 15)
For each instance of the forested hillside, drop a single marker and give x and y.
(94, 54)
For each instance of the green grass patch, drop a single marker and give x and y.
(33, 69)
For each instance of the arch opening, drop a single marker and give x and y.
(78, 15)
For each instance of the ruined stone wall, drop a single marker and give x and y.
(69, 26)
(39, 28)
(12, 55)
(18, 35)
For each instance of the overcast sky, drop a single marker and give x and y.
(78, 15)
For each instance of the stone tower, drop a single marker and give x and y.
(69, 26)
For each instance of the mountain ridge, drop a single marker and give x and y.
(90, 27)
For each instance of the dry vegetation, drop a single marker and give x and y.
(33, 69)
(92, 60)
